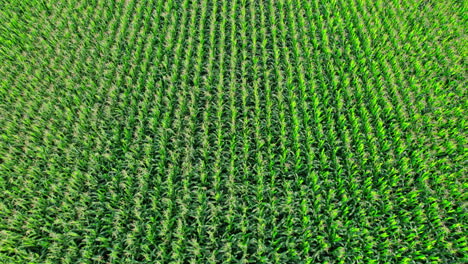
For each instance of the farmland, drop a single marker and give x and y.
(241, 131)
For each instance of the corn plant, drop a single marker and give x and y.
(242, 131)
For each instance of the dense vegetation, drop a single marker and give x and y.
(240, 131)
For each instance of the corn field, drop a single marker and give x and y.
(240, 131)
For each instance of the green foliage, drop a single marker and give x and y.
(242, 131)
